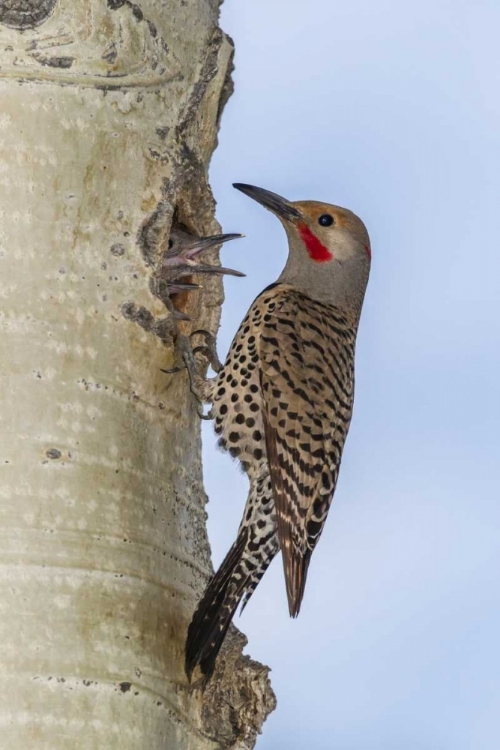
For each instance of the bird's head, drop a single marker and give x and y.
(329, 247)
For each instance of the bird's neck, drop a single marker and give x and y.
(342, 285)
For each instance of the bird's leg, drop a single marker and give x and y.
(200, 386)
(179, 261)
(209, 349)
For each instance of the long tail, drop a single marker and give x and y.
(236, 578)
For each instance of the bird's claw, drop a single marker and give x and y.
(208, 349)
(173, 370)
(197, 383)
(201, 413)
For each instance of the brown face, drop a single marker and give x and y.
(327, 232)
(322, 228)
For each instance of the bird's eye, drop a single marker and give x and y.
(325, 220)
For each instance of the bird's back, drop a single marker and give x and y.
(282, 406)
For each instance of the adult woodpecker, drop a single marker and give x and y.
(282, 405)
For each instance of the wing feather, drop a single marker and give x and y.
(306, 360)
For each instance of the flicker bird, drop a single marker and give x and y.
(282, 405)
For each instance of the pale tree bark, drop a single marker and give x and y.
(108, 118)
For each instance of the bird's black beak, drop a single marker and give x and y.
(275, 203)
(203, 243)
(188, 247)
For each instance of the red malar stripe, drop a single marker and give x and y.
(317, 251)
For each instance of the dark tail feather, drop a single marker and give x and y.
(267, 554)
(296, 565)
(215, 611)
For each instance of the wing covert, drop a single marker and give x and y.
(306, 371)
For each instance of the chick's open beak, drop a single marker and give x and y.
(184, 249)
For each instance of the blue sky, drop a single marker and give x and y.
(391, 109)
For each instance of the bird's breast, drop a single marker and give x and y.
(238, 398)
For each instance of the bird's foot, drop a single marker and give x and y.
(208, 349)
(180, 261)
(200, 386)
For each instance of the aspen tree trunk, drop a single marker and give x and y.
(108, 118)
